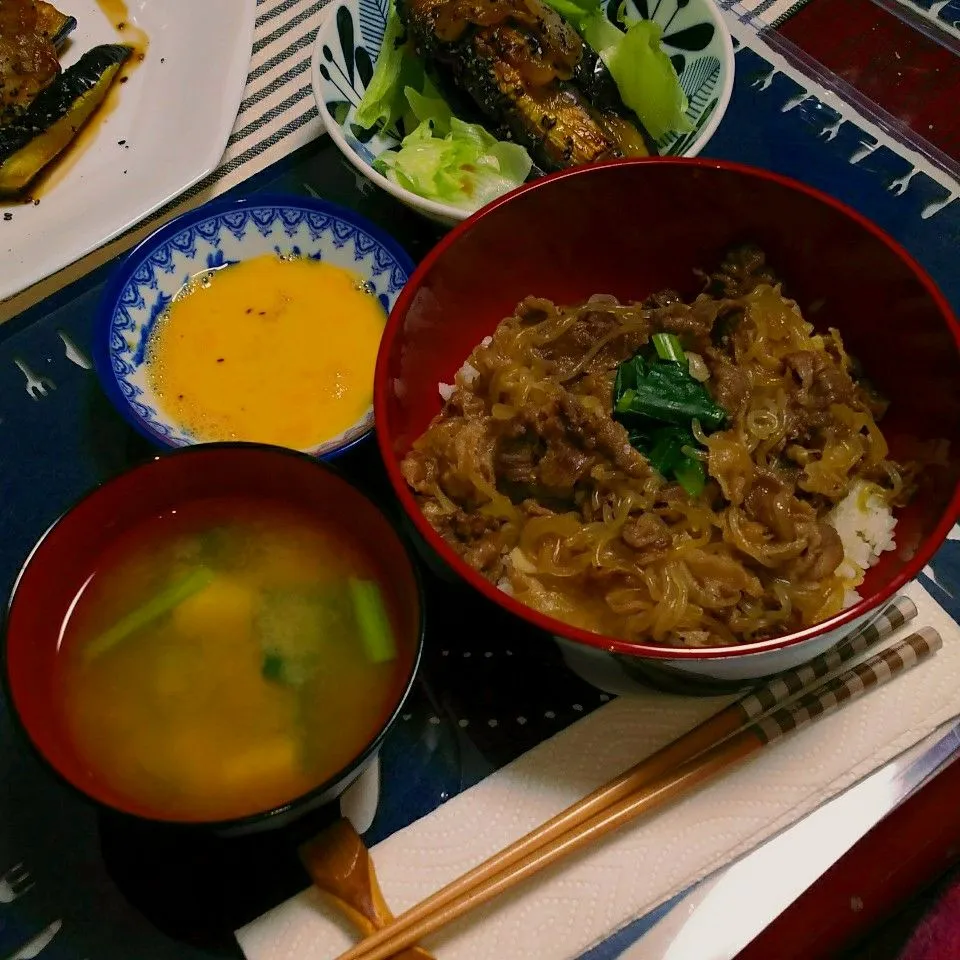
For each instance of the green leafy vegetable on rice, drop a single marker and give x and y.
(658, 401)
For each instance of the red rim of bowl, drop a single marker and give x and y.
(557, 627)
(259, 818)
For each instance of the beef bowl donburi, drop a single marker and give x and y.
(683, 454)
(695, 474)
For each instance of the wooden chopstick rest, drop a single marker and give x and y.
(340, 866)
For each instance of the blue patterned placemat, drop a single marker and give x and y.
(489, 690)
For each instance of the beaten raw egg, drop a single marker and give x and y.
(271, 350)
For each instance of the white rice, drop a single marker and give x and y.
(465, 375)
(865, 522)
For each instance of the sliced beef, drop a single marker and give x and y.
(648, 535)
(581, 348)
(419, 469)
(692, 323)
(743, 270)
(818, 383)
(517, 458)
(596, 430)
(563, 466)
(824, 553)
(728, 385)
(772, 501)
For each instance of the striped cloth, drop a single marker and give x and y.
(770, 13)
(277, 114)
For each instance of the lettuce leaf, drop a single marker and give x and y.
(648, 84)
(587, 17)
(397, 67)
(450, 161)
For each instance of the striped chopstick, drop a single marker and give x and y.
(684, 779)
(896, 614)
(851, 684)
(717, 728)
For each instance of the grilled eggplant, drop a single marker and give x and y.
(531, 76)
(56, 26)
(32, 140)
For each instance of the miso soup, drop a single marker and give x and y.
(229, 656)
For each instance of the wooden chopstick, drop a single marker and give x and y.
(705, 736)
(848, 686)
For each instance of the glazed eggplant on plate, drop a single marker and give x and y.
(43, 107)
(44, 130)
(530, 74)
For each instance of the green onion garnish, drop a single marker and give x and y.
(625, 403)
(373, 621)
(153, 609)
(668, 347)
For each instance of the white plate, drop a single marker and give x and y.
(175, 117)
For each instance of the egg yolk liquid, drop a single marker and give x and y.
(269, 350)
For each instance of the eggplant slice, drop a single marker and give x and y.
(56, 26)
(44, 130)
(530, 75)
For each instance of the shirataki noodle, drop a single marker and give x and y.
(532, 479)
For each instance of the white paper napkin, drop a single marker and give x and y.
(581, 901)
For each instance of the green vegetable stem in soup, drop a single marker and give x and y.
(229, 656)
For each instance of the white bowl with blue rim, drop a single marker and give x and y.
(213, 236)
(695, 37)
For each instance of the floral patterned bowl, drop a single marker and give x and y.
(213, 236)
(349, 40)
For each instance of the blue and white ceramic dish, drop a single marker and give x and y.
(214, 236)
(349, 40)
